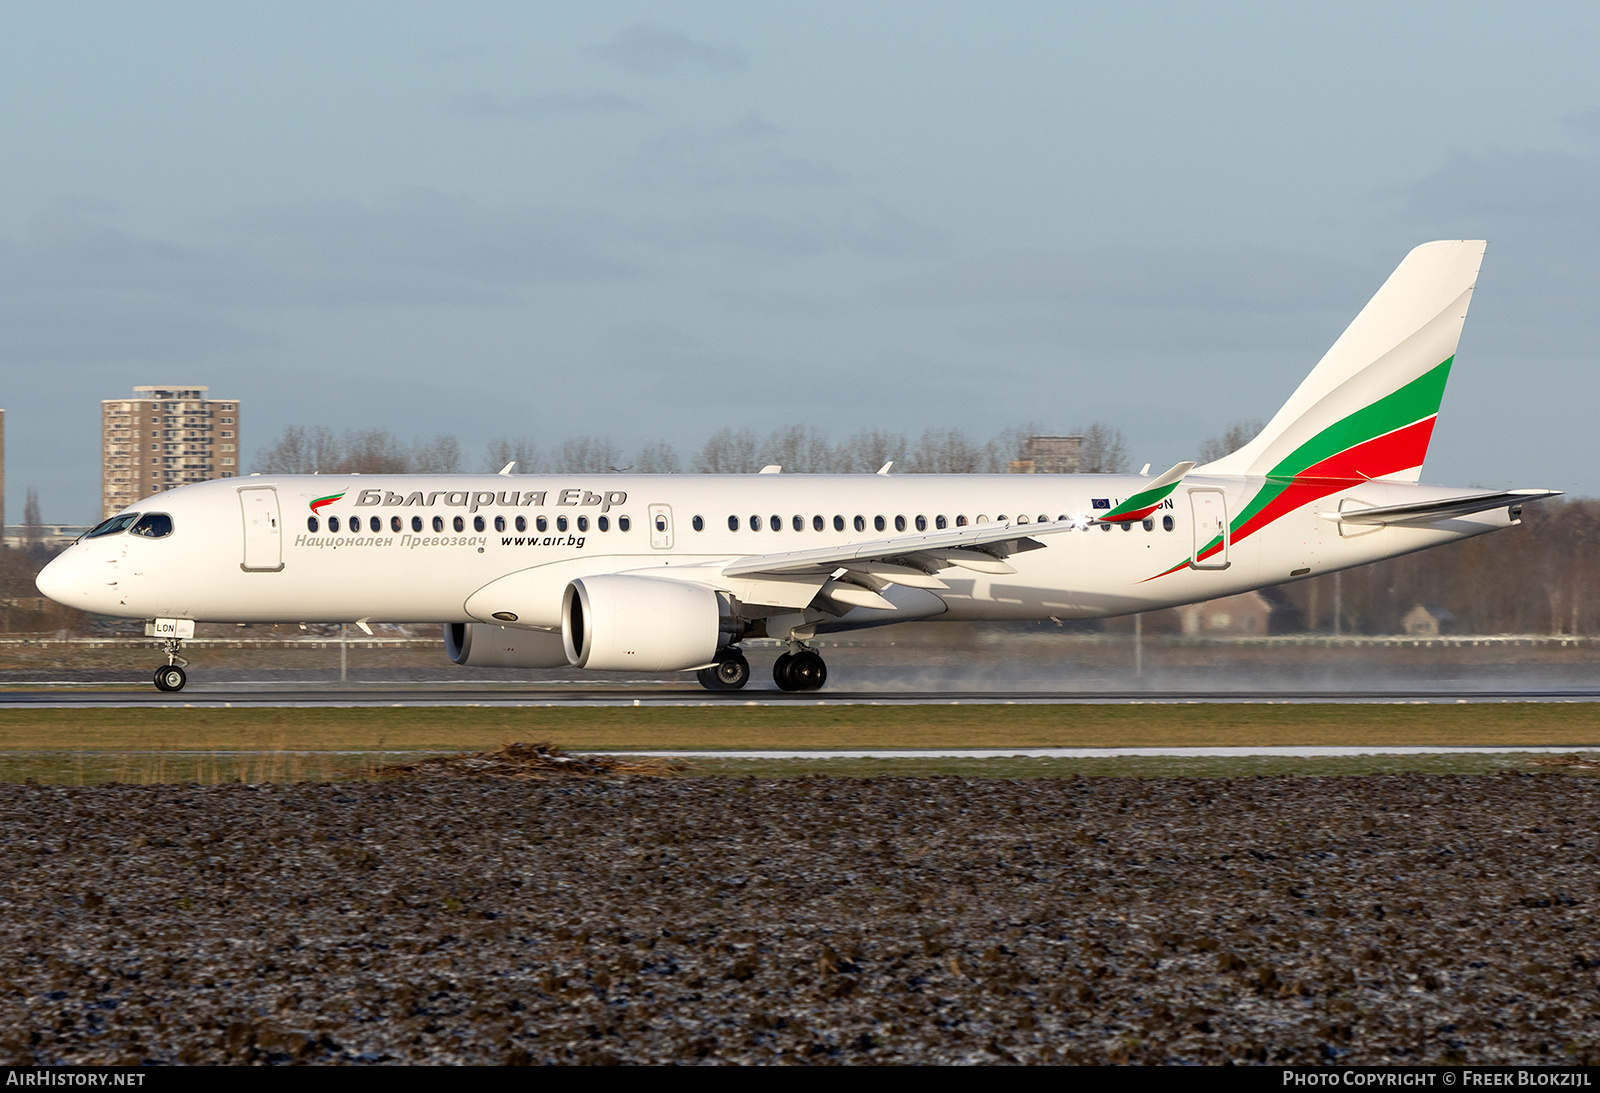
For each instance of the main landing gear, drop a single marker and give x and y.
(801, 670)
(729, 673)
(171, 676)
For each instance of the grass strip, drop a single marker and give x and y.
(446, 728)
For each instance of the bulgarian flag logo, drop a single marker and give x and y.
(1149, 499)
(319, 503)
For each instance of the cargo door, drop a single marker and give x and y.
(263, 531)
(1209, 509)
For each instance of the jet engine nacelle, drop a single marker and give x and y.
(616, 621)
(481, 645)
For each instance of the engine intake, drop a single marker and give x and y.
(614, 622)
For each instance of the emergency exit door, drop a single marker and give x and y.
(661, 527)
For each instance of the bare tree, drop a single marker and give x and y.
(729, 451)
(522, 451)
(946, 451)
(1104, 450)
(299, 450)
(870, 449)
(441, 455)
(799, 449)
(1005, 449)
(585, 455)
(1233, 438)
(657, 457)
(374, 451)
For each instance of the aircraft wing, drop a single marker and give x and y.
(1444, 508)
(926, 551)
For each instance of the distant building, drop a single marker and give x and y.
(1428, 620)
(1245, 615)
(1049, 455)
(163, 438)
(2, 477)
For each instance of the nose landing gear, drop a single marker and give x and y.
(171, 676)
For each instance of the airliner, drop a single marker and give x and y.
(667, 573)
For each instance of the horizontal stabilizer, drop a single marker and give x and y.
(1444, 508)
(1149, 499)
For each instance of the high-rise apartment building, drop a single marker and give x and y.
(163, 438)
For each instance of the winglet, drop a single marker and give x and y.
(506, 470)
(1149, 499)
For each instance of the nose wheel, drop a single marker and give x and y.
(801, 671)
(170, 677)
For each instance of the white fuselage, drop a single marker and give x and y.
(252, 550)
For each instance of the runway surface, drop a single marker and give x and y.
(275, 694)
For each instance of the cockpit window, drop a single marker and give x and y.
(113, 525)
(153, 525)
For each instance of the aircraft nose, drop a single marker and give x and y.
(66, 579)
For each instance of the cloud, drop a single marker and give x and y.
(742, 153)
(655, 51)
(480, 104)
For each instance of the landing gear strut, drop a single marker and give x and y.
(171, 676)
(729, 673)
(802, 670)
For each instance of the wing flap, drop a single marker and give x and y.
(955, 546)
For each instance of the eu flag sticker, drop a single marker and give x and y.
(1100, 502)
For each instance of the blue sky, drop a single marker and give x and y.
(650, 221)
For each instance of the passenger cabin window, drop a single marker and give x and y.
(311, 523)
(333, 523)
(376, 523)
(1149, 523)
(838, 523)
(961, 521)
(1167, 523)
(878, 523)
(776, 523)
(799, 523)
(861, 523)
(521, 524)
(755, 523)
(561, 523)
(416, 523)
(541, 524)
(499, 523)
(940, 522)
(153, 525)
(438, 523)
(733, 523)
(583, 523)
(395, 524)
(899, 523)
(603, 523)
(623, 523)
(922, 523)
(459, 524)
(818, 523)
(698, 523)
(477, 523)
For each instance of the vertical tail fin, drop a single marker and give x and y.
(1367, 410)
